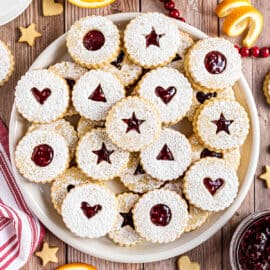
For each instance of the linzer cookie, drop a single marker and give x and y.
(86, 125)
(160, 216)
(213, 64)
(169, 90)
(62, 185)
(7, 63)
(98, 157)
(41, 156)
(95, 93)
(123, 232)
(266, 87)
(168, 157)
(151, 40)
(221, 124)
(89, 210)
(210, 184)
(42, 96)
(136, 179)
(133, 123)
(93, 41)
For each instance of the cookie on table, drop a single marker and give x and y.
(41, 156)
(151, 40)
(133, 123)
(93, 41)
(42, 96)
(160, 216)
(95, 93)
(98, 157)
(168, 157)
(210, 184)
(136, 179)
(213, 64)
(89, 210)
(71, 72)
(221, 125)
(123, 232)
(86, 125)
(266, 87)
(7, 63)
(62, 185)
(62, 127)
(169, 90)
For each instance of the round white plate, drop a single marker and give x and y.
(11, 9)
(38, 196)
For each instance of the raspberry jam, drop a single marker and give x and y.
(213, 185)
(222, 124)
(42, 155)
(93, 40)
(166, 95)
(133, 123)
(41, 96)
(120, 58)
(139, 170)
(160, 215)
(103, 154)
(153, 38)
(90, 211)
(70, 187)
(215, 62)
(208, 153)
(127, 219)
(202, 97)
(165, 153)
(98, 95)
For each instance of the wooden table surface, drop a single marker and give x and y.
(213, 254)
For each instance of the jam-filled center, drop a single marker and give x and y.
(160, 215)
(153, 38)
(127, 219)
(215, 62)
(90, 211)
(166, 95)
(223, 124)
(133, 123)
(202, 97)
(103, 154)
(41, 96)
(165, 153)
(213, 185)
(42, 155)
(93, 40)
(98, 95)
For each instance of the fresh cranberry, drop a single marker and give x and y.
(153, 38)
(90, 211)
(93, 40)
(255, 51)
(139, 170)
(98, 95)
(166, 95)
(202, 97)
(133, 123)
(127, 219)
(174, 13)
(103, 154)
(42, 155)
(41, 96)
(215, 62)
(222, 124)
(244, 52)
(169, 5)
(70, 187)
(165, 153)
(265, 52)
(213, 185)
(208, 153)
(160, 215)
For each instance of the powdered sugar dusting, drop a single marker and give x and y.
(5, 62)
(86, 125)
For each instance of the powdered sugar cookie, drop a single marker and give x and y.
(86, 125)
(95, 93)
(168, 157)
(42, 96)
(62, 185)
(123, 232)
(221, 124)
(136, 179)
(169, 90)
(266, 87)
(89, 210)
(160, 216)
(210, 184)
(133, 123)
(151, 40)
(7, 63)
(98, 157)
(93, 41)
(41, 156)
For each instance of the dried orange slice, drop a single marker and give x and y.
(91, 3)
(234, 22)
(76, 266)
(227, 6)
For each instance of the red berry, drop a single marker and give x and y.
(265, 52)
(169, 5)
(255, 51)
(174, 13)
(244, 51)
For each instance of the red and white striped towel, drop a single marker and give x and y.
(20, 231)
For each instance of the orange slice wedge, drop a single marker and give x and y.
(227, 6)
(76, 266)
(235, 21)
(91, 3)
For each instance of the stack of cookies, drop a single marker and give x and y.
(129, 90)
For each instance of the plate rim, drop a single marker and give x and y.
(162, 255)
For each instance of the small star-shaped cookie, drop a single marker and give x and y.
(29, 34)
(266, 176)
(47, 254)
(184, 263)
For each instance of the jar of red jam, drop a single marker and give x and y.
(250, 244)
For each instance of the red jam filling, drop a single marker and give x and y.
(103, 154)
(70, 187)
(139, 170)
(133, 123)
(160, 215)
(166, 95)
(42, 155)
(120, 58)
(222, 124)
(254, 246)
(127, 219)
(153, 38)
(90, 211)
(202, 97)
(213, 185)
(98, 95)
(93, 40)
(165, 153)
(215, 62)
(70, 83)
(41, 96)
(208, 153)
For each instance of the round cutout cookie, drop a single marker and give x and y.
(7, 63)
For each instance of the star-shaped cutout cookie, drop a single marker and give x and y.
(266, 176)
(47, 254)
(184, 263)
(29, 34)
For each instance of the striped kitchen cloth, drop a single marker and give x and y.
(20, 231)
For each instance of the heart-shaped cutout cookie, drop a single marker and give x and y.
(166, 95)
(90, 211)
(184, 263)
(50, 8)
(213, 185)
(41, 96)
